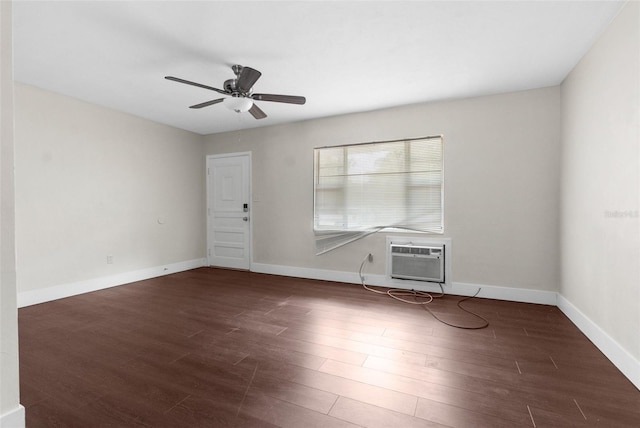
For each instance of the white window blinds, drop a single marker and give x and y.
(363, 188)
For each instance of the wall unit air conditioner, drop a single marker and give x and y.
(417, 262)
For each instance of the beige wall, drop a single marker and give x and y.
(9, 385)
(501, 185)
(600, 241)
(93, 182)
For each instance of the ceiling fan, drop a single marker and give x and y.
(239, 92)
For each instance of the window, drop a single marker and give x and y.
(373, 186)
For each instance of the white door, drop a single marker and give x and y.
(229, 210)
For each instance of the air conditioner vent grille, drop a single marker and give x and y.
(420, 263)
(406, 249)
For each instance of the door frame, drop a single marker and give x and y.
(209, 159)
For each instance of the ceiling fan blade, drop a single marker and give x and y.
(257, 112)
(291, 99)
(199, 85)
(207, 103)
(247, 78)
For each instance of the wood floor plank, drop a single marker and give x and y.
(453, 416)
(284, 414)
(316, 324)
(291, 353)
(462, 398)
(623, 415)
(47, 377)
(544, 418)
(366, 415)
(439, 350)
(204, 411)
(491, 388)
(304, 347)
(361, 347)
(294, 393)
(441, 353)
(495, 389)
(361, 391)
(193, 376)
(54, 413)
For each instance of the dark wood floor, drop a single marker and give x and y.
(218, 348)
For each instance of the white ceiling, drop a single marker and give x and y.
(343, 56)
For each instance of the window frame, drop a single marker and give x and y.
(346, 229)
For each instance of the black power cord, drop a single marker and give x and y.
(399, 294)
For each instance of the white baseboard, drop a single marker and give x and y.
(457, 288)
(523, 295)
(33, 297)
(310, 273)
(619, 356)
(13, 419)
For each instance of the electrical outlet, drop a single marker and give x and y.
(370, 257)
(109, 260)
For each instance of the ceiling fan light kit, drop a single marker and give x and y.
(239, 91)
(238, 104)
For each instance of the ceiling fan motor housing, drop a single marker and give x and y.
(231, 86)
